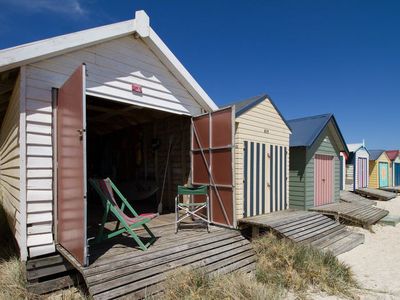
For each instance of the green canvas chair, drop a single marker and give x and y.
(106, 189)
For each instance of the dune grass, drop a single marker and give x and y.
(13, 285)
(300, 268)
(282, 266)
(195, 284)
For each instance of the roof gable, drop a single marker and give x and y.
(140, 26)
(356, 147)
(393, 154)
(305, 131)
(244, 105)
(376, 154)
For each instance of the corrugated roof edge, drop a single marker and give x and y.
(251, 104)
(331, 117)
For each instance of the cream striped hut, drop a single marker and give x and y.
(261, 157)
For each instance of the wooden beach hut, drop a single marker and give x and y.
(314, 169)
(379, 164)
(261, 157)
(394, 168)
(115, 102)
(357, 169)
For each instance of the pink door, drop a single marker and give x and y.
(71, 166)
(323, 179)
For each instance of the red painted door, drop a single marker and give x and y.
(323, 179)
(71, 166)
(212, 164)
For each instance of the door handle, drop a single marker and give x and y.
(80, 133)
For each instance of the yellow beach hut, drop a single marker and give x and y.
(379, 169)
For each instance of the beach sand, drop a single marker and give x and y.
(376, 263)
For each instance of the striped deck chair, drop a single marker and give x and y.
(106, 189)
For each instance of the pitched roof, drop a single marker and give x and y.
(374, 154)
(392, 154)
(306, 130)
(140, 26)
(244, 105)
(354, 147)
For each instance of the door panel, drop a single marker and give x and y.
(362, 172)
(397, 174)
(212, 161)
(383, 174)
(323, 179)
(71, 166)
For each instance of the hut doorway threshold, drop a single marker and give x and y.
(376, 194)
(306, 227)
(118, 269)
(357, 213)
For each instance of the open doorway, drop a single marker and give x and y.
(145, 152)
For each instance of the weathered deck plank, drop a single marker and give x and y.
(306, 227)
(118, 269)
(355, 212)
(351, 197)
(376, 194)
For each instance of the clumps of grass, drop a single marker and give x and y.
(197, 285)
(12, 276)
(301, 268)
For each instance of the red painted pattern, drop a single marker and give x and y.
(323, 179)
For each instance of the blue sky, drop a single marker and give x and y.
(310, 57)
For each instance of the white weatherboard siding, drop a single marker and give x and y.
(252, 126)
(111, 69)
(10, 166)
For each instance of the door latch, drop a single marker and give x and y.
(80, 132)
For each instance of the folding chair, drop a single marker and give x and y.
(192, 209)
(106, 188)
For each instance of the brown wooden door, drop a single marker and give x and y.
(71, 166)
(212, 161)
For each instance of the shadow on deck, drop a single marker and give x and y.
(118, 269)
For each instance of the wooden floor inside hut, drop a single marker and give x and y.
(307, 227)
(118, 269)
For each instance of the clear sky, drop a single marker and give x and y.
(310, 57)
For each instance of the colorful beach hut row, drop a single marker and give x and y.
(370, 168)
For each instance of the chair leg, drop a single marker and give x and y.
(176, 214)
(100, 236)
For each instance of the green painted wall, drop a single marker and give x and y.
(301, 170)
(296, 178)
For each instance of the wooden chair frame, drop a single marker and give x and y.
(110, 208)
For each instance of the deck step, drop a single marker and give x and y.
(355, 212)
(307, 227)
(376, 194)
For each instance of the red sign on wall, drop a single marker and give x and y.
(136, 88)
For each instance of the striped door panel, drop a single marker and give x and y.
(323, 179)
(362, 175)
(265, 173)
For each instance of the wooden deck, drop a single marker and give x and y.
(118, 270)
(376, 194)
(356, 213)
(392, 189)
(351, 197)
(308, 227)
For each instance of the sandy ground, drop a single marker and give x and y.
(376, 263)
